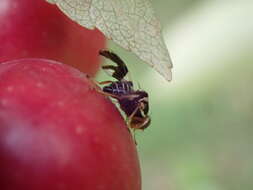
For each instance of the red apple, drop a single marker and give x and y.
(35, 28)
(58, 132)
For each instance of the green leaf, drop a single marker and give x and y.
(129, 23)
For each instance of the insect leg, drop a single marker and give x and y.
(95, 85)
(105, 82)
(129, 119)
(113, 57)
(109, 67)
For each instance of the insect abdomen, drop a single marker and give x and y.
(119, 88)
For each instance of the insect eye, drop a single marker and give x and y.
(144, 107)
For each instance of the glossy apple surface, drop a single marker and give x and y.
(35, 28)
(58, 132)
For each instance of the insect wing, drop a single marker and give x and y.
(107, 69)
(119, 70)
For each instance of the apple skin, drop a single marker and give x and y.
(37, 29)
(58, 132)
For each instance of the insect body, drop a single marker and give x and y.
(133, 102)
(119, 88)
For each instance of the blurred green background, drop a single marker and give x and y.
(202, 122)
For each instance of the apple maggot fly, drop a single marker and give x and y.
(134, 103)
